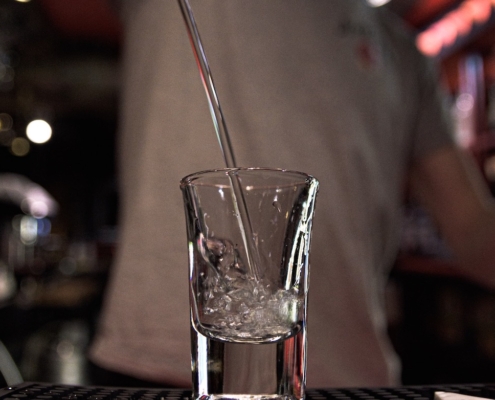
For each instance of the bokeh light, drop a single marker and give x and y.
(20, 147)
(456, 23)
(39, 131)
(28, 230)
(5, 122)
(377, 3)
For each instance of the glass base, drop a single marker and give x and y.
(246, 397)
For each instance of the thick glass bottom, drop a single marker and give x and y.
(248, 371)
(246, 397)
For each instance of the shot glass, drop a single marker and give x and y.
(248, 237)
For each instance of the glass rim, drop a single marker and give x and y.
(190, 178)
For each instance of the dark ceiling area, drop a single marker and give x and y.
(59, 61)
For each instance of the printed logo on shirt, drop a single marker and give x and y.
(367, 51)
(368, 54)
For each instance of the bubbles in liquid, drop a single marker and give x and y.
(237, 305)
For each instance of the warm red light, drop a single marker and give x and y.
(478, 11)
(453, 25)
(449, 32)
(429, 44)
(462, 23)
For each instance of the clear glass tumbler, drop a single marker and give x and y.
(248, 233)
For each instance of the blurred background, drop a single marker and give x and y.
(59, 102)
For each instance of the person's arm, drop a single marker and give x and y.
(451, 188)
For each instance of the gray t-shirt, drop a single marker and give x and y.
(327, 87)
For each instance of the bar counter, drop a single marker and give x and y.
(50, 391)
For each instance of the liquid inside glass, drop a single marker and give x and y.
(248, 370)
(248, 334)
(235, 307)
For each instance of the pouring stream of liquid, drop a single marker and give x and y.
(223, 137)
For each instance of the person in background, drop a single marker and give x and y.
(332, 88)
